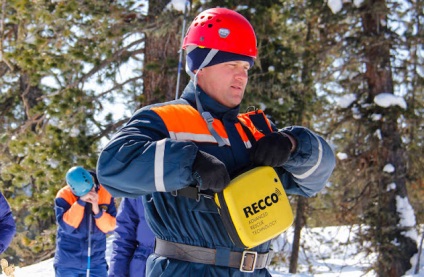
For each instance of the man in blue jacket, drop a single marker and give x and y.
(133, 242)
(85, 213)
(202, 139)
(7, 224)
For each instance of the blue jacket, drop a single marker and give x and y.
(7, 224)
(134, 241)
(153, 155)
(72, 216)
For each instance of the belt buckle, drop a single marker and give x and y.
(248, 261)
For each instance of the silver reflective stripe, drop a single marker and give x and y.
(312, 170)
(184, 136)
(248, 144)
(159, 156)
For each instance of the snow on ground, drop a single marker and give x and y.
(327, 252)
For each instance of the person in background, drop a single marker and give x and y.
(81, 204)
(133, 240)
(201, 139)
(7, 224)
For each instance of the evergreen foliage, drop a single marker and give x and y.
(63, 69)
(369, 40)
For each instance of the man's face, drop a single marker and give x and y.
(225, 82)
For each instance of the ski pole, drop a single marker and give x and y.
(90, 229)
(180, 63)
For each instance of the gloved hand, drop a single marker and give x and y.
(210, 172)
(272, 149)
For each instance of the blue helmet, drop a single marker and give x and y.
(80, 180)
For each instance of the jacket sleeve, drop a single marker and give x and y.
(143, 155)
(69, 210)
(7, 224)
(125, 242)
(106, 218)
(310, 166)
(105, 221)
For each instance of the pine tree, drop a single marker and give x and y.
(64, 65)
(162, 48)
(373, 180)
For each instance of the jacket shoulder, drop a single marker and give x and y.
(163, 105)
(176, 109)
(67, 194)
(104, 194)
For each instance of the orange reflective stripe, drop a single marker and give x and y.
(244, 118)
(186, 124)
(243, 136)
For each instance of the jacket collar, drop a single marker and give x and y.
(209, 104)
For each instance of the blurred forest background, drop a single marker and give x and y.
(73, 71)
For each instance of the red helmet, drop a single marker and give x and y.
(224, 30)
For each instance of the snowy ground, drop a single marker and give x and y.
(328, 252)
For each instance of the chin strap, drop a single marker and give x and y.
(205, 114)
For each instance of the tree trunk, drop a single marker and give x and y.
(393, 260)
(161, 58)
(30, 96)
(302, 202)
(299, 223)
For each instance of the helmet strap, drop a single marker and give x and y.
(205, 114)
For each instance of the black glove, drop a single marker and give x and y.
(272, 149)
(210, 172)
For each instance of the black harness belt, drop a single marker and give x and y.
(246, 261)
